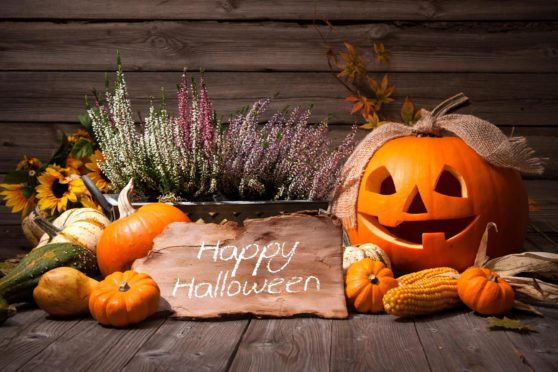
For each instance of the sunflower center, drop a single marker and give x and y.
(59, 189)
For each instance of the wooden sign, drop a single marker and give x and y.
(277, 266)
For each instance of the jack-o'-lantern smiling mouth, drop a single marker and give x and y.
(413, 232)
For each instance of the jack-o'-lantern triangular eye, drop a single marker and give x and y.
(449, 183)
(381, 182)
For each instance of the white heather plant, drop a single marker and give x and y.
(191, 156)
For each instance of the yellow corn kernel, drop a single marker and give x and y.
(412, 278)
(426, 296)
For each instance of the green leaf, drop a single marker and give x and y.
(82, 149)
(60, 155)
(85, 120)
(509, 324)
(407, 111)
(19, 176)
(27, 191)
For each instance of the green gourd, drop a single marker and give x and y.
(18, 285)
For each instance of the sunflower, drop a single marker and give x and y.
(80, 133)
(95, 173)
(87, 202)
(28, 163)
(58, 186)
(75, 164)
(18, 196)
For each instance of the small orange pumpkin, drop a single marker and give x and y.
(483, 291)
(131, 237)
(125, 298)
(366, 283)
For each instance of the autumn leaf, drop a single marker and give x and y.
(361, 103)
(509, 324)
(383, 91)
(352, 99)
(372, 121)
(381, 53)
(408, 113)
(354, 65)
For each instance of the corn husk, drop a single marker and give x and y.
(543, 264)
(534, 289)
(533, 264)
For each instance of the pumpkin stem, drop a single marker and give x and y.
(124, 200)
(123, 287)
(449, 104)
(373, 279)
(493, 278)
(481, 257)
(46, 226)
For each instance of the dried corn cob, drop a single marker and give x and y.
(426, 296)
(412, 278)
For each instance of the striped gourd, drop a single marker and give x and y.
(412, 278)
(81, 226)
(425, 296)
(18, 284)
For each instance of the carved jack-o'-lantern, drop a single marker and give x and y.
(426, 201)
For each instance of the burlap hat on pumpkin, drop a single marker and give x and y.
(483, 137)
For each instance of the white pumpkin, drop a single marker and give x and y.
(355, 253)
(82, 226)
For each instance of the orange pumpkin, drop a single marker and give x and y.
(483, 291)
(131, 237)
(125, 298)
(366, 283)
(426, 201)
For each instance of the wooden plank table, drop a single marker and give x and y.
(456, 340)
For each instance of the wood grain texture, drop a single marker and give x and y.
(471, 346)
(13, 242)
(280, 266)
(503, 99)
(32, 339)
(81, 348)
(189, 346)
(272, 46)
(538, 351)
(537, 241)
(545, 195)
(300, 344)
(288, 10)
(457, 340)
(14, 327)
(376, 343)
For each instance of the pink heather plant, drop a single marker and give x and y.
(191, 156)
(285, 159)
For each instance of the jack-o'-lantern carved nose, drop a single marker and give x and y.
(417, 205)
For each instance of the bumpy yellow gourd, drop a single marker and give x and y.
(425, 296)
(412, 278)
(64, 292)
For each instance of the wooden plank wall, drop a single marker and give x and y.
(503, 55)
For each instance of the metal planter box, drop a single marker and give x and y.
(236, 210)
